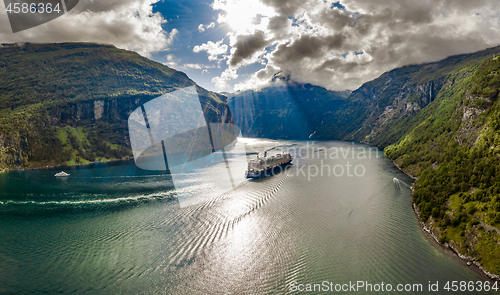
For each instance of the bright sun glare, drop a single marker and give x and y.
(244, 16)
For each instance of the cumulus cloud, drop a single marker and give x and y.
(203, 68)
(228, 75)
(246, 46)
(194, 66)
(202, 27)
(213, 49)
(260, 79)
(128, 24)
(344, 44)
(171, 61)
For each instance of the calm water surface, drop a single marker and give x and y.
(115, 229)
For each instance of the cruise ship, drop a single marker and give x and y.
(261, 166)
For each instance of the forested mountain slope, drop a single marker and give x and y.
(453, 147)
(69, 103)
(380, 111)
(440, 122)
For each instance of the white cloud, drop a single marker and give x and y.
(213, 49)
(202, 27)
(260, 79)
(171, 37)
(193, 66)
(128, 24)
(171, 61)
(197, 66)
(227, 75)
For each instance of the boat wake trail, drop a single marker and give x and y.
(397, 183)
(38, 206)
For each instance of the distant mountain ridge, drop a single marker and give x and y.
(367, 114)
(286, 109)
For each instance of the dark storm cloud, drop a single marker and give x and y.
(102, 6)
(307, 47)
(285, 7)
(247, 45)
(338, 65)
(279, 26)
(334, 19)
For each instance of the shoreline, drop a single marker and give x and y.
(62, 166)
(446, 246)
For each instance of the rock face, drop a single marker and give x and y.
(406, 103)
(98, 109)
(470, 128)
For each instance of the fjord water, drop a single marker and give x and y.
(115, 229)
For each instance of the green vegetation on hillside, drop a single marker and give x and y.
(486, 82)
(453, 146)
(426, 136)
(84, 145)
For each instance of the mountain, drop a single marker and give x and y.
(286, 109)
(69, 103)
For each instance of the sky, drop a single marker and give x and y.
(231, 45)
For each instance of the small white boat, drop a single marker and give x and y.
(61, 174)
